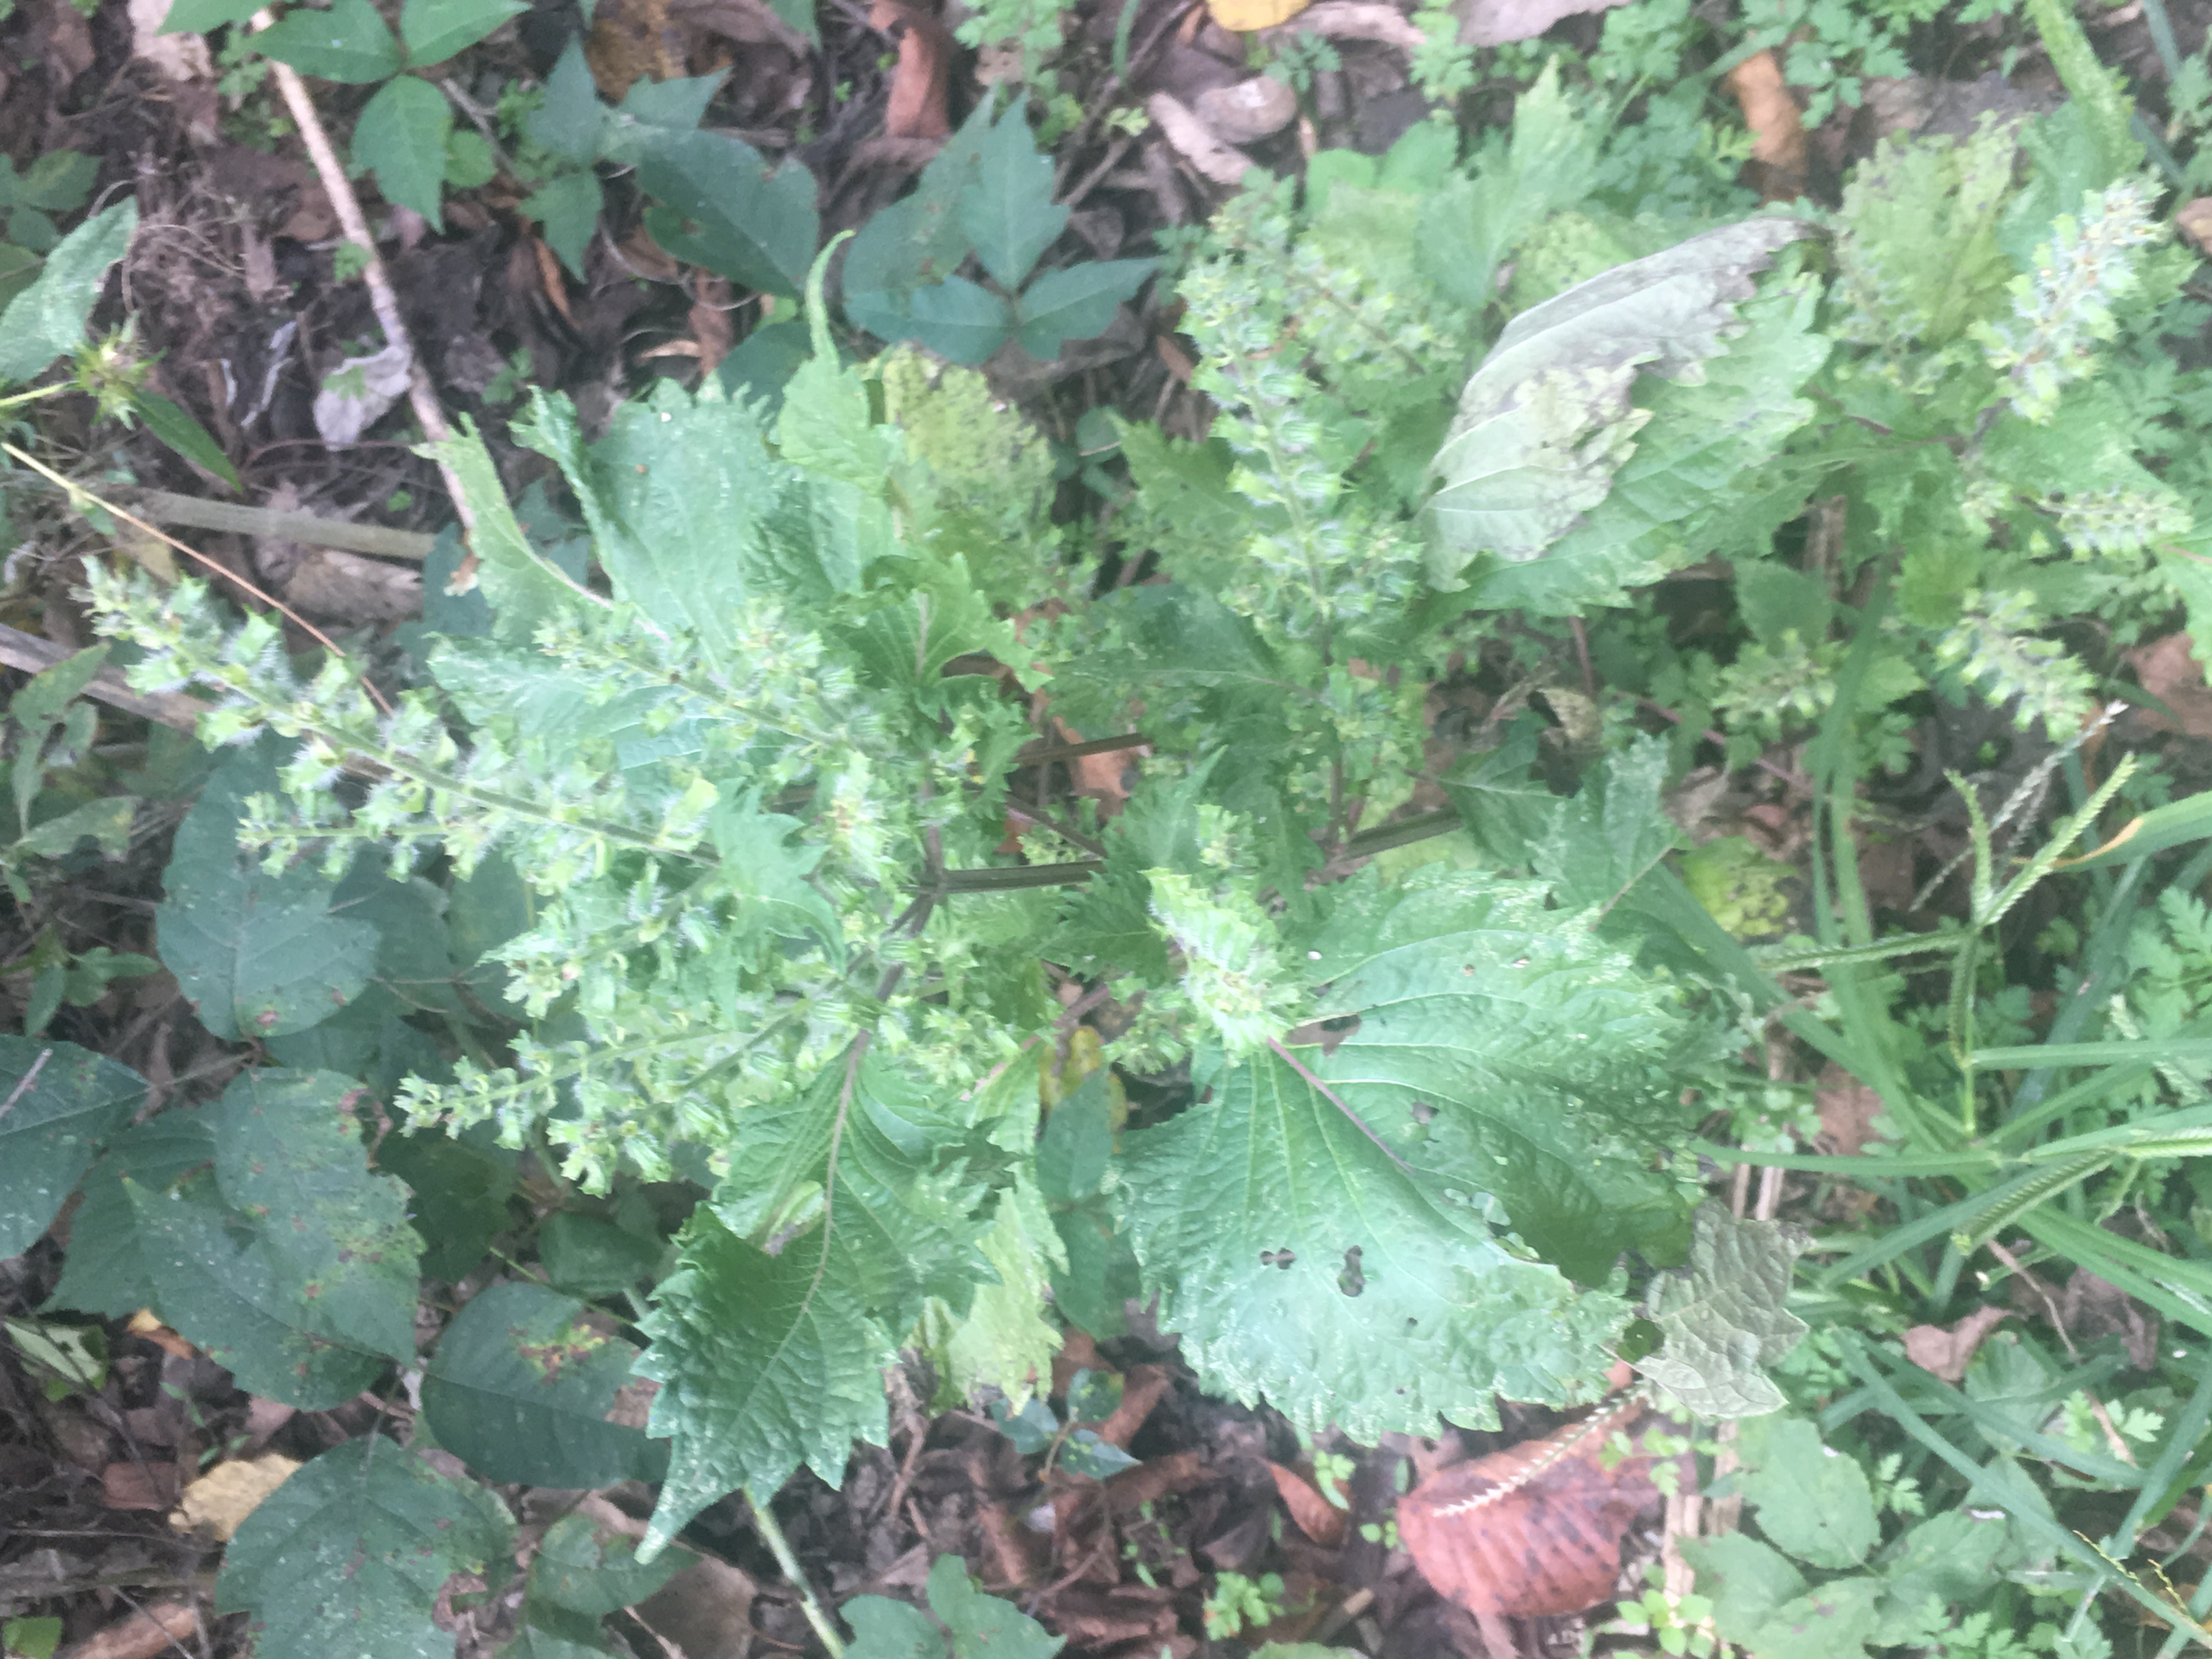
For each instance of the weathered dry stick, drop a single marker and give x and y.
(420, 396)
(34, 655)
(379, 541)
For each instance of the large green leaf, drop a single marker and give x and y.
(520, 1387)
(348, 42)
(1810, 1501)
(46, 319)
(256, 953)
(348, 1556)
(303, 1282)
(754, 223)
(1005, 207)
(62, 1102)
(1547, 420)
(848, 1209)
(401, 135)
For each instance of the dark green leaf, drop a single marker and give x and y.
(753, 223)
(520, 1389)
(257, 954)
(105, 1270)
(349, 1555)
(574, 1570)
(568, 206)
(571, 122)
(200, 16)
(54, 1124)
(401, 137)
(351, 43)
(178, 430)
(1005, 209)
(586, 1256)
(1077, 303)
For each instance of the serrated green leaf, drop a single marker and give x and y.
(1723, 1315)
(1546, 422)
(178, 430)
(46, 319)
(1747, 1581)
(1606, 838)
(104, 1269)
(679, 104)
(435, 29)
(520, 1387)
(401, 137)
(349, 1555)
(850, 1208)
(1077, 303)
(1006, 208)
(754, 223)
(56, 1121)
(1917, 252)
(1505, 807)
(568, 207)
(349, 43)
(257, 954)
(1812, 1504)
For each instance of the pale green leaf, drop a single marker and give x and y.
(1006, 208)
(349, 1555)
(46, 319)
(1812, 1504)
(1723, 1315)
(55, 1123)
(1547, 420)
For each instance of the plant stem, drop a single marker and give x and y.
(764, 1521)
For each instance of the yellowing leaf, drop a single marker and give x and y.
(216, 1504)
(1246, 14)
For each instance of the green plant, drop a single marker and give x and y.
(988, 194)
(1237, 1601)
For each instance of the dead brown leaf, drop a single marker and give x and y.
(1778, 127)
(2195, 221)
(1141, 1390)
(1316, 1517)
(1534, 1530)
(139, 1634)
(1194, 140)
(138, 1485)
(710, 324)
(143, 1323)
(2093, 1307)
(2169, 670)
(216, 1504)
(920, 83)
(1848, 1109)
(1148, 1483)
(632, 40)
(1947, 1351)
(1367, 20)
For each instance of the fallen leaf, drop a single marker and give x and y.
(1848, 1109)
(1102, 778)
(354, 395)
(1316, 1517)
(143, 1323)
(704, 1611)
(916, 107)
(550, 279)
(1196, 143)
(1946, 1350)
(2093, 1307)
(216, 1504)
(1243, 16)
(632, 39)
(2195, 219)
(1534, 1530)
(2169, 670)
(710, 325)
(1364, 19)
(1149, 1482)
(1778, 129)
(1141, 1390)
(139, 1634)
(1495, 22)
(138, 1485)
(1252, 109)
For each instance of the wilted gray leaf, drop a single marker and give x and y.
(1547, 420)
(1723, 1315)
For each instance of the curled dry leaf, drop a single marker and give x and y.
(1778, 129)
(1532, 1530)
(1251, 109)
(1196, 143)
(1316, 1517)
(1946, 1350)
(916, 108)
(2169, 670)
(143, 1323)
(141, 1633)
